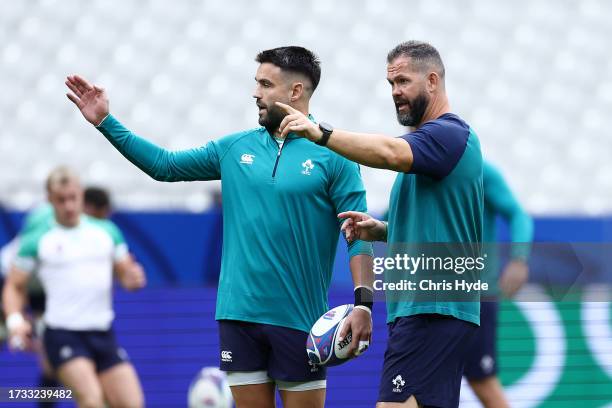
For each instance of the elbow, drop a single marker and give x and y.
(160, 176)
(397, 162)
(397, 155)
(157, 177)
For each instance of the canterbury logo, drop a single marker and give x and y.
(226, 356)
(247, 158)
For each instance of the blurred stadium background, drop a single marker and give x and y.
(532, 77)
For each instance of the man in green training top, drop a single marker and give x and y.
(275, 270)
(481, 357)
(436, 204)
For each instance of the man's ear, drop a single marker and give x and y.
(297, 90)
(433, 81)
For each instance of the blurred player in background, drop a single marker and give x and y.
(96, 203)
(276, 270)
(437, 198)
(75, 256)
(481, 361)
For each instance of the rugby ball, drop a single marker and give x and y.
(322, 345)
(209, 389)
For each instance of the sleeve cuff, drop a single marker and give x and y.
(121, 252)
(25, 264)
(360, 248)
(101, 124)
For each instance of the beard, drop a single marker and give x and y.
(414, 116)
(271, 118)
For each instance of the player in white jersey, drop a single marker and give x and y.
(75, 257)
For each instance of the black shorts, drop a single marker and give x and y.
(481, 357)
(280, 351)
(424, 357)
(99, 346)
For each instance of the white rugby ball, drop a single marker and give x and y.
(209, 389)
(322, 346)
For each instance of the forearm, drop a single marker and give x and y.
(151, 159)
(363, 281)
(362, 270)
(13, 299)
(130, 274)
(521, 232)
(372, 150)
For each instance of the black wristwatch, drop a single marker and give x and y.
(327, 130)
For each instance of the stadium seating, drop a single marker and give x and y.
(533, 78)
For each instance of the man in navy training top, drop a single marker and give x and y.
(437, 198)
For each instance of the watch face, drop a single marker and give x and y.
(326, 127)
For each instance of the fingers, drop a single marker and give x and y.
(509, 287)
(348, 230)
(75, 89)
(363, 346)
(75, 100)
(287, 123)
(17, 343)
(361, 328)
(82, 83)
(354, 341)
(347, 227)
(346, 328)
(76, 84)
(352, 214)
(286, 108)
(369, 223)
(142, 280)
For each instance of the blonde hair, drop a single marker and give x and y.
(60, 176)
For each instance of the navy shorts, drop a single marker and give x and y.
(99, 346)
(481, 357)
(424, 357)
(280, 351)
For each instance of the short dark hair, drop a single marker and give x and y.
(294, 59)
(97, 197)
(422, 54)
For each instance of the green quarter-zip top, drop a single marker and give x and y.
(280, 225)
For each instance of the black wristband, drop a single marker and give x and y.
(364, 297)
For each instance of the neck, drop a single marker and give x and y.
(68, 224)
(439, 106)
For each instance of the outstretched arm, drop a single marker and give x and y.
(372, 150)
(195, 164)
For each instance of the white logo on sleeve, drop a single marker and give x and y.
(65, 352)
(308, 166)
(226, 356)
(247, 158)
(487, 364)
(398, 383)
